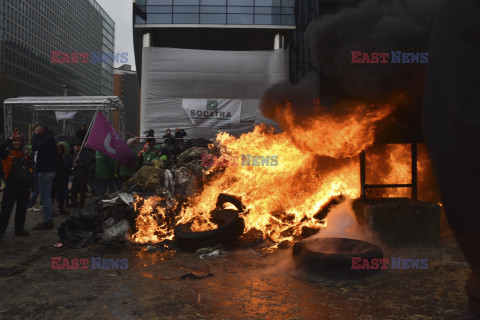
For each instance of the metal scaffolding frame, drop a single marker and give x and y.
(106, 104)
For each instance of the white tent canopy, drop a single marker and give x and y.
(32, 106)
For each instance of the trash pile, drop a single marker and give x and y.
(109, 221)
(112, 219)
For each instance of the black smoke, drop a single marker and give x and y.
(371, 26)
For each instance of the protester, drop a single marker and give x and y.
(166, 151)
(44, 143)
(104, 171)
(82, 132)
(81, 167)
(159, 154)
(17, 173)
(61, 179)
(160, 160)
(145, 157)
(125, 173)
(68, 164)
(151, 142)
(180, 133)
(91, 182)
(169, 138)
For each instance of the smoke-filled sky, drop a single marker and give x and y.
(371, 26)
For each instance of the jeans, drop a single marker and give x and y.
(45, 180)
(36, 191)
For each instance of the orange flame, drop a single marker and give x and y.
(315, 160)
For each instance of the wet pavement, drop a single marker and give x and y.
(242, 285)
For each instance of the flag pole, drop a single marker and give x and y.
(88, 133)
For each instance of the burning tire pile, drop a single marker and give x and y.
(230, 227)
(191, 206)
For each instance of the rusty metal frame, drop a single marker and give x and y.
(414, 178)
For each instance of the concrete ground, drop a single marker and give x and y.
(243, 285)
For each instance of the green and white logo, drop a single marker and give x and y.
(212, 104)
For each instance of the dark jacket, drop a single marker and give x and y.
(7, 155)
(180, 134)
(80, 134)
(47, 152)
(61, 177)
(83, 164)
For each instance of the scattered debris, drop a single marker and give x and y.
(115, 231)
(194, 276)
(80, 229)
(257, 253)
(209, 249)
(214, 254)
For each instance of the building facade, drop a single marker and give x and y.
(241, 34)
(125, 87)
(31, 30)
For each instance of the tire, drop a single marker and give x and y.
(230, 228)
(224, 198)
(315, 256)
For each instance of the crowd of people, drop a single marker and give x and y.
(64, 173)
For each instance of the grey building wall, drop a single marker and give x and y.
(31, 30)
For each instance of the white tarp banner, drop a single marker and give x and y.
(213, 113)
(65, 115)
(171, 76)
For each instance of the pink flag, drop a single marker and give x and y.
(104, 138)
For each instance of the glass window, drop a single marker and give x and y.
(268, 10)
(240, 9)
(186, 9)
(185, 18)
(240, 19)
(267, 3)
(288, 11)
(288, 20)
(242, 3)
(186, 2)
(212, 9)
(160, 9)
(213, 18)
(213, 2)
(289, 3)
(267, 19)
(159, 2)
(159, 18)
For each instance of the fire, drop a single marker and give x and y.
(148, 228)
(317, 159)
